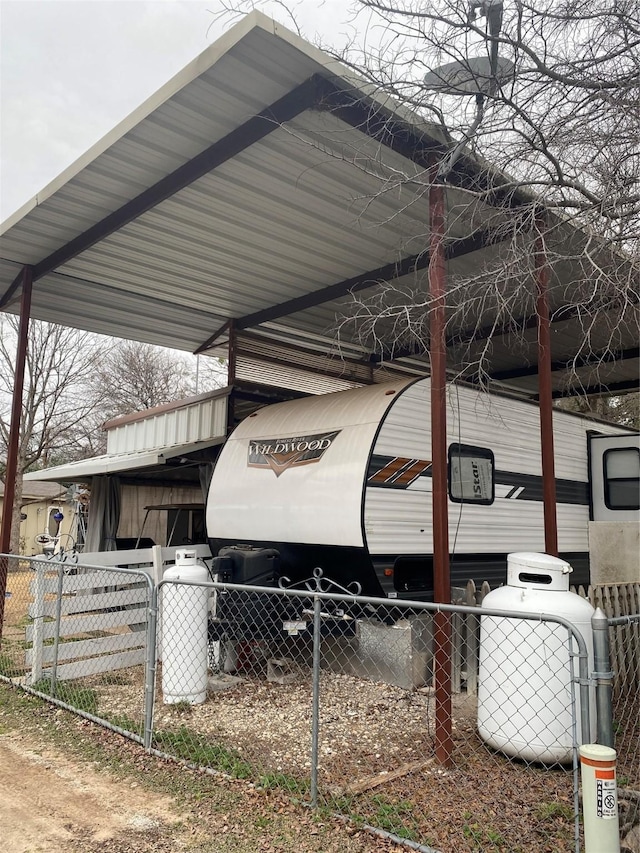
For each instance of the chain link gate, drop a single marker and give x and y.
(78, 635)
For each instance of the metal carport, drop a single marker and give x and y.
(243, 203)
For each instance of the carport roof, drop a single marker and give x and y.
(256, 190)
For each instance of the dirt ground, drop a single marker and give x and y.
(48, 802)
(67, 786)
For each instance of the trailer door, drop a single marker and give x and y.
(614, 462)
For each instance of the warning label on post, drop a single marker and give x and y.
(606, 800)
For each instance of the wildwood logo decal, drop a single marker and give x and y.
(278, 454)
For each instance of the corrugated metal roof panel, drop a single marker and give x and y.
(113, 463)
(105, 464)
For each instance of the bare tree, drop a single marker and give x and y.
(547, 156)
(56, 406)
(133, 376)
(623, 410)
(562, 140)
(74, 381)
(136, 376)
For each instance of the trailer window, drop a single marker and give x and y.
(622, 478)
(471, 474)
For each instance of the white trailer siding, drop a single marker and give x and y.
(511, 430)
(343, 481)
(319, 502)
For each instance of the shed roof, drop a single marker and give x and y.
(39, 491)
(165, 444)
(257, 190)
(150, 464)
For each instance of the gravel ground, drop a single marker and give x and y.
(370, 731)
(365, 727)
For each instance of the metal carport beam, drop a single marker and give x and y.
(545, 395)
(14, 434)
(589, 390)
(389, 272)
(440, 504)
(604, 357)
(12, 289)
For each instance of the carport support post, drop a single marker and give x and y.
(440, 508)
(545, 395)
(14, 434)
(231, 375)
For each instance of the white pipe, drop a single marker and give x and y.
(599, 798)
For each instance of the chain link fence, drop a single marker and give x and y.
(335, 700)
(331, 699)
(624, 635)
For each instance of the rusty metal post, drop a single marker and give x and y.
(231, 366)
(545, 394)
(440, 506)
(231, 375)
(14, 434)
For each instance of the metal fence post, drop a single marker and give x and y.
(150, 665)
(56, 636)
(603, 677)
(583, 681)
(315, 705)
(576, 742)
(37, 644)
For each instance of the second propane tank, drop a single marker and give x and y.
(524, 687)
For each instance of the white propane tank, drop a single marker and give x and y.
(184, 631)
(524, 680)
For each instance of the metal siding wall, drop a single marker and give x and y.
(186, 425)
(268, 373)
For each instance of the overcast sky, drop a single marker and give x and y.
(72, 69)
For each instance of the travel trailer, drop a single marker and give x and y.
(342, 481)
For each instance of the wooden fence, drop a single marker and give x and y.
(620, 600)
(98, 615)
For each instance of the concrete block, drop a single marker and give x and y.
(221, 681)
